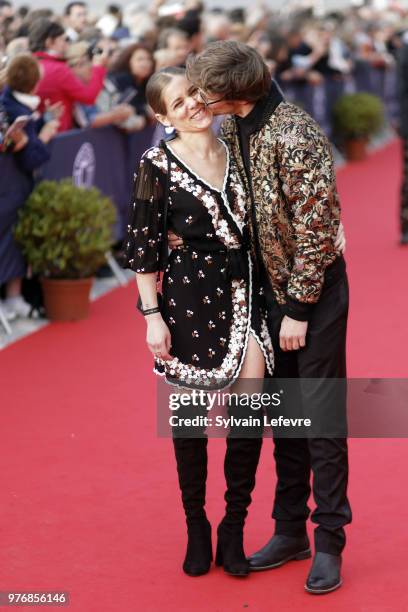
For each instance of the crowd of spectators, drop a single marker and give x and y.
(80, 69)
(105, 60)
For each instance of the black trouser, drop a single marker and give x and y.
(404, 189)
(323, 357)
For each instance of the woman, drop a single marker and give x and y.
(79, 59)
(48, 43)
(19, 99)
(211, 331)
(131, 71)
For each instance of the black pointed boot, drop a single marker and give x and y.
(191, 457)
(241, 462)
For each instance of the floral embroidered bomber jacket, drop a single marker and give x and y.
(295, 206)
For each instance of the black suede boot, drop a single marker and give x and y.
(191, 457)
(241, 462)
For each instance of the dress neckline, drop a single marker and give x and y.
(197, 176)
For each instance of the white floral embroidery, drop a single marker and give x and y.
(209, 197)
(239, 326)
(266, 345)
(222, 375)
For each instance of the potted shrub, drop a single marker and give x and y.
(64, 232)
(356, 118)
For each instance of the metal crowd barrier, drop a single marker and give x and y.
(319, 100)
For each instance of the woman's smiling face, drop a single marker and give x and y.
(184, 110)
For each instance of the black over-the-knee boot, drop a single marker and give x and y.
(191, 457)
(241, 462)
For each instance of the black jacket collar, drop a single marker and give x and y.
(262, 111)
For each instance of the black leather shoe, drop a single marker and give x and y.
(199, 549)
(324, 576)
(279, 550)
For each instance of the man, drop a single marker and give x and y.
(402, 66)
(286, 162)
(6, 11)
(76, 15)
(176, 42)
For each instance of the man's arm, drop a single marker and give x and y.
(307, 176)
(306, 171)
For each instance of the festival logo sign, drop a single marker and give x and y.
(83, 172)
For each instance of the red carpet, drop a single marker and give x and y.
(89, 501)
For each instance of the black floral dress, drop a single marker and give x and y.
(211, 300)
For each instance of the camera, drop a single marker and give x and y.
(93, 48)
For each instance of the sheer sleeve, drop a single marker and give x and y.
(145, 229)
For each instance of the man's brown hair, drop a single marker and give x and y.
(230, 69)
(23, 73)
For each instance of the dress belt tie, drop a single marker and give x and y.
(236, 264)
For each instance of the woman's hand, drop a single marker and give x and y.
(20, 139)
(54, 110)
(49, 131)
(158, 337)
(121, 112)
(173, 240)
